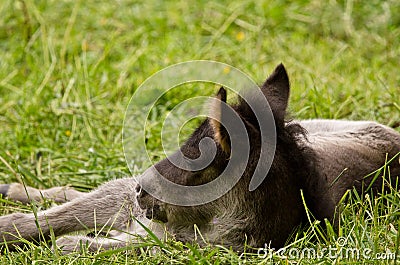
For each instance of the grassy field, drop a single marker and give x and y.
(69, 68)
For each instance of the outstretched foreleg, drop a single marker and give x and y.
(113, 205)
(25, 194)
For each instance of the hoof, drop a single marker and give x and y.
(4, 189)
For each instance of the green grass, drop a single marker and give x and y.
(69, 68)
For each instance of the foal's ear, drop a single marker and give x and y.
(220, 134)
(276, 89)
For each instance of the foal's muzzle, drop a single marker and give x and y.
(151, 205)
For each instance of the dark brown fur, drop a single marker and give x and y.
(270, 213)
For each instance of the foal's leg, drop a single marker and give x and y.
(112, 205)
(113, 240)
(25, 194)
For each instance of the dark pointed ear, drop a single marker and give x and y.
(220, 134)
(276, 89)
